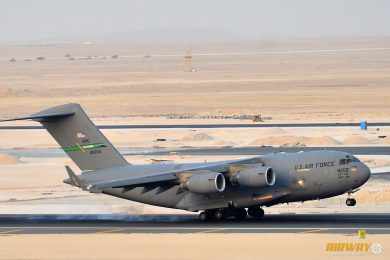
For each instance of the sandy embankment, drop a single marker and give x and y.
(288, 140)
(8, 159)
(184, 246)
(176, 138)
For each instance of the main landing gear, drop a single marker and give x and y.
(256, 212)
(231, 213)
(222, 214)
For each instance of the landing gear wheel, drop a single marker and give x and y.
(203, 216)
(211, 215)
(240, 214)
(350, 202)
(223, 214)
(256, 212)
(218, 215)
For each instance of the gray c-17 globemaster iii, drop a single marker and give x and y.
(218, 190)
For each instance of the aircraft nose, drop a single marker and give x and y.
(364, 172)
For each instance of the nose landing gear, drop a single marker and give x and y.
(350, 202)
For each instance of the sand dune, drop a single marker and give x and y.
(271, 131)
(356, 139)
(224, 143)
(198, 137)
(376, 162)
(385, 140)
(374, 195)
(289, 140)
(8, 159)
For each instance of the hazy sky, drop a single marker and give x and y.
(182, 20)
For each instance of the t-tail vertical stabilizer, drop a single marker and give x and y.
(78, 137)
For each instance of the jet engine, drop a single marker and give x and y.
(205, 182)
(252, 175)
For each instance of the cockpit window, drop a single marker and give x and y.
(354, 159)
(348, 159)
(343, 161)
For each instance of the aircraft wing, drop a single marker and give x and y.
(98, 186)
(380, 172)
(131, 176)
(132, 181)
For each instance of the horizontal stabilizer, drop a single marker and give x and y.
(41, 117)
(74, 180)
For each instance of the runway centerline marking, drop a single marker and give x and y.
(314, 230)
(111, 230)
(212, 230)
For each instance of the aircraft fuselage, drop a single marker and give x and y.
(300, 176)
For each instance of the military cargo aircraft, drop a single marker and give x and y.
(218, 190)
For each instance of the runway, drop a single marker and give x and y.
(259, 150)
(155, 224)
(202, 126)
(205, 151)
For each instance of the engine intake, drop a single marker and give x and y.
(205, 182)
(253, 176)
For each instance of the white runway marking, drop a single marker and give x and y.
(314, 230)
(111, 230)
(9, 231)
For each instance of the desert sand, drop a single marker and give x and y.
(279, 80)
(8, 159)
(176, 138)
(184, 246)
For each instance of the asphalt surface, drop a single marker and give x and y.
(199, 126)
(156, 224)
(215, 151)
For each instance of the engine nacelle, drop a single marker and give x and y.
(205, 182)
(254, 176)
